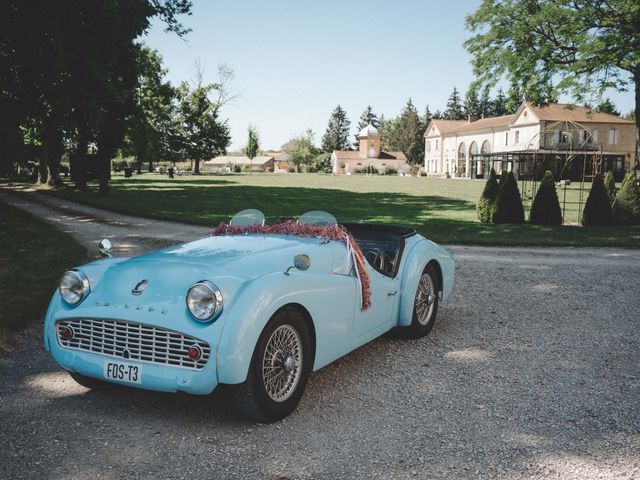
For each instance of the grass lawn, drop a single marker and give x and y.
(441, 209)
(33, 257)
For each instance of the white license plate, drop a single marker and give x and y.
(122, 372)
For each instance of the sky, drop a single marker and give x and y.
(294, 61)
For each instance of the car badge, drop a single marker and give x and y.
(139, 288)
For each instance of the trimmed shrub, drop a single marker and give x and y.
(508, 202)
(390, 170)
(237, 168)
(626, 206)
(597, 210)
(610, 186)
(487, 202)
(546, 206)
(322, 163)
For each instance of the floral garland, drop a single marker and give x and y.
(330, 232)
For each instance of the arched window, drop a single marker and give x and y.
(462, 151)
(474, 149)
(486, 147)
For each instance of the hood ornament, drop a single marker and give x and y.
(139, 288)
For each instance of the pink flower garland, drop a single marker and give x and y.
(330, 232)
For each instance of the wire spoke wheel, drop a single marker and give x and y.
(425, 299)
(282, 363)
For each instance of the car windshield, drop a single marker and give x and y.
(317, 217)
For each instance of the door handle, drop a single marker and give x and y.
(391, 294)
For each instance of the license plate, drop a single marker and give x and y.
(122, 372)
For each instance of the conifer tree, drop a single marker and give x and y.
(610, 186)
(367, 117)
(626, 206)
(455, 110)
(508, 201)
(597, 210)
(487, 201)
(500, 104)
(471, 103)
(546, 206)
(336, 137)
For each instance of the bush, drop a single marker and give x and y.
(291, 169)
(487, 202)
(322, 163)
(390, 170)
(610, 186)
(546, 206)
(423, 173)
(370, 169)
(237, 168)
(597, 210)
(508, 202)
(626, 206)
(119, 165)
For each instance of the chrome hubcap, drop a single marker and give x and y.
(282, 363)
(425, 299)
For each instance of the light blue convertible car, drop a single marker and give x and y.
(255, 306)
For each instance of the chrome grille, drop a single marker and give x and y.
(130, 340)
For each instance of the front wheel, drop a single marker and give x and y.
(425, 305)
(279, 369)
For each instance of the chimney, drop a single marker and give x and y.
(473, 117)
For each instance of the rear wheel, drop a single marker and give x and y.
(425, 304)
(279, 369)
(91, 383)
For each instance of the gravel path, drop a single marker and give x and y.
(531, 371)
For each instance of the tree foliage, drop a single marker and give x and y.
(487, 202)
(368, 117)
(253, 142)
(597, 209)
(455, 109)
(302, 150)
(626, 206)
(508, 201)
(546, 206)
(610, 186)
(584, 46)
(405, 134)
(336, 137)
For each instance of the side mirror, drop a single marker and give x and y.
(301, 262)
(105, 248)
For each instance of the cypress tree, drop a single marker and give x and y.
(487, 201)
(508, 202)
(597, 210)
(610, 186)
(626, 206)
(546, 206)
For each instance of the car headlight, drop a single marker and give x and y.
(204, 301)
(74, 287)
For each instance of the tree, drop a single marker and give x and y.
(514, 98)
(546, 206)
(302, 151)
(597, 209)
(405, 133)
(485, 104)
(367, 117)
(472, 103)
(607, 106)
(500, 104)
(610, 186)
(455, 110)
(253, 142)
(487, 202)
(626, 206)
(585, 46)
(508, 201)
(336, 136)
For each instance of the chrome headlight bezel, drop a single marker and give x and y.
(80, 280)
(204, 288)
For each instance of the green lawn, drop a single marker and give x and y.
(33, 256)
(441, 209)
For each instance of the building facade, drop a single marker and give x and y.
(571, 141)
(369, 154)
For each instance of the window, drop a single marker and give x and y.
(428, 146)
(612, 136)
(436, 145)
(486, 147)
(594, 135)
(506, 138)
(462, 151)
(517, 139)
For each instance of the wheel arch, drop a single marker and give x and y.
(309, 322)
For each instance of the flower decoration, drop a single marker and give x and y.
(329, 232)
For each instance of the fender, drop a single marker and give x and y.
(421, 253)
(329, 299)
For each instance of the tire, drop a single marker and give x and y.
(275, 384)
(92, 383)
(426, 298)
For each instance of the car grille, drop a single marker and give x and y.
(135, 341)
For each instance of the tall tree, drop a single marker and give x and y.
(500, 104)
(485, 104)
(472, 103)
(585, 46)
(253, 142)
(336, 137)
(406, 134)
(455, 109)
(367, 117)
(607, 106)
(302, 151)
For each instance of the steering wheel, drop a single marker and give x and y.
(379, 260)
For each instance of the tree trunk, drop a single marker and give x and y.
(150, 166)
(52, 150)
(637, 112)
(196, 170)
(79, 162)
(139, 162)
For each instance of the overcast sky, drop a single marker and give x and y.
(295, 60)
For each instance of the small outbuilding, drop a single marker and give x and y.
(227, 163)
(369, 155)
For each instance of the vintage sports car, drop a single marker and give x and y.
(255, 306)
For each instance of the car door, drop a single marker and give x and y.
(379, 317)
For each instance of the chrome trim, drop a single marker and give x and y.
(145, 343)
(216, 293)
(86, 286)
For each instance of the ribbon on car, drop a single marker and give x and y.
(331, 232)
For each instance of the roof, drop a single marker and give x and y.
(355, 155)
(484, 124)
(445, 126)
(369, 131)
(225, 160)
(557, 112)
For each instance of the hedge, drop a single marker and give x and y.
(546, 206)
(597, 210)
(626, 206)
(508, 202)
(486, 203)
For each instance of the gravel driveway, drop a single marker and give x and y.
(531, 371)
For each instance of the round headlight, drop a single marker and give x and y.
(74, 287)
(204, 301)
